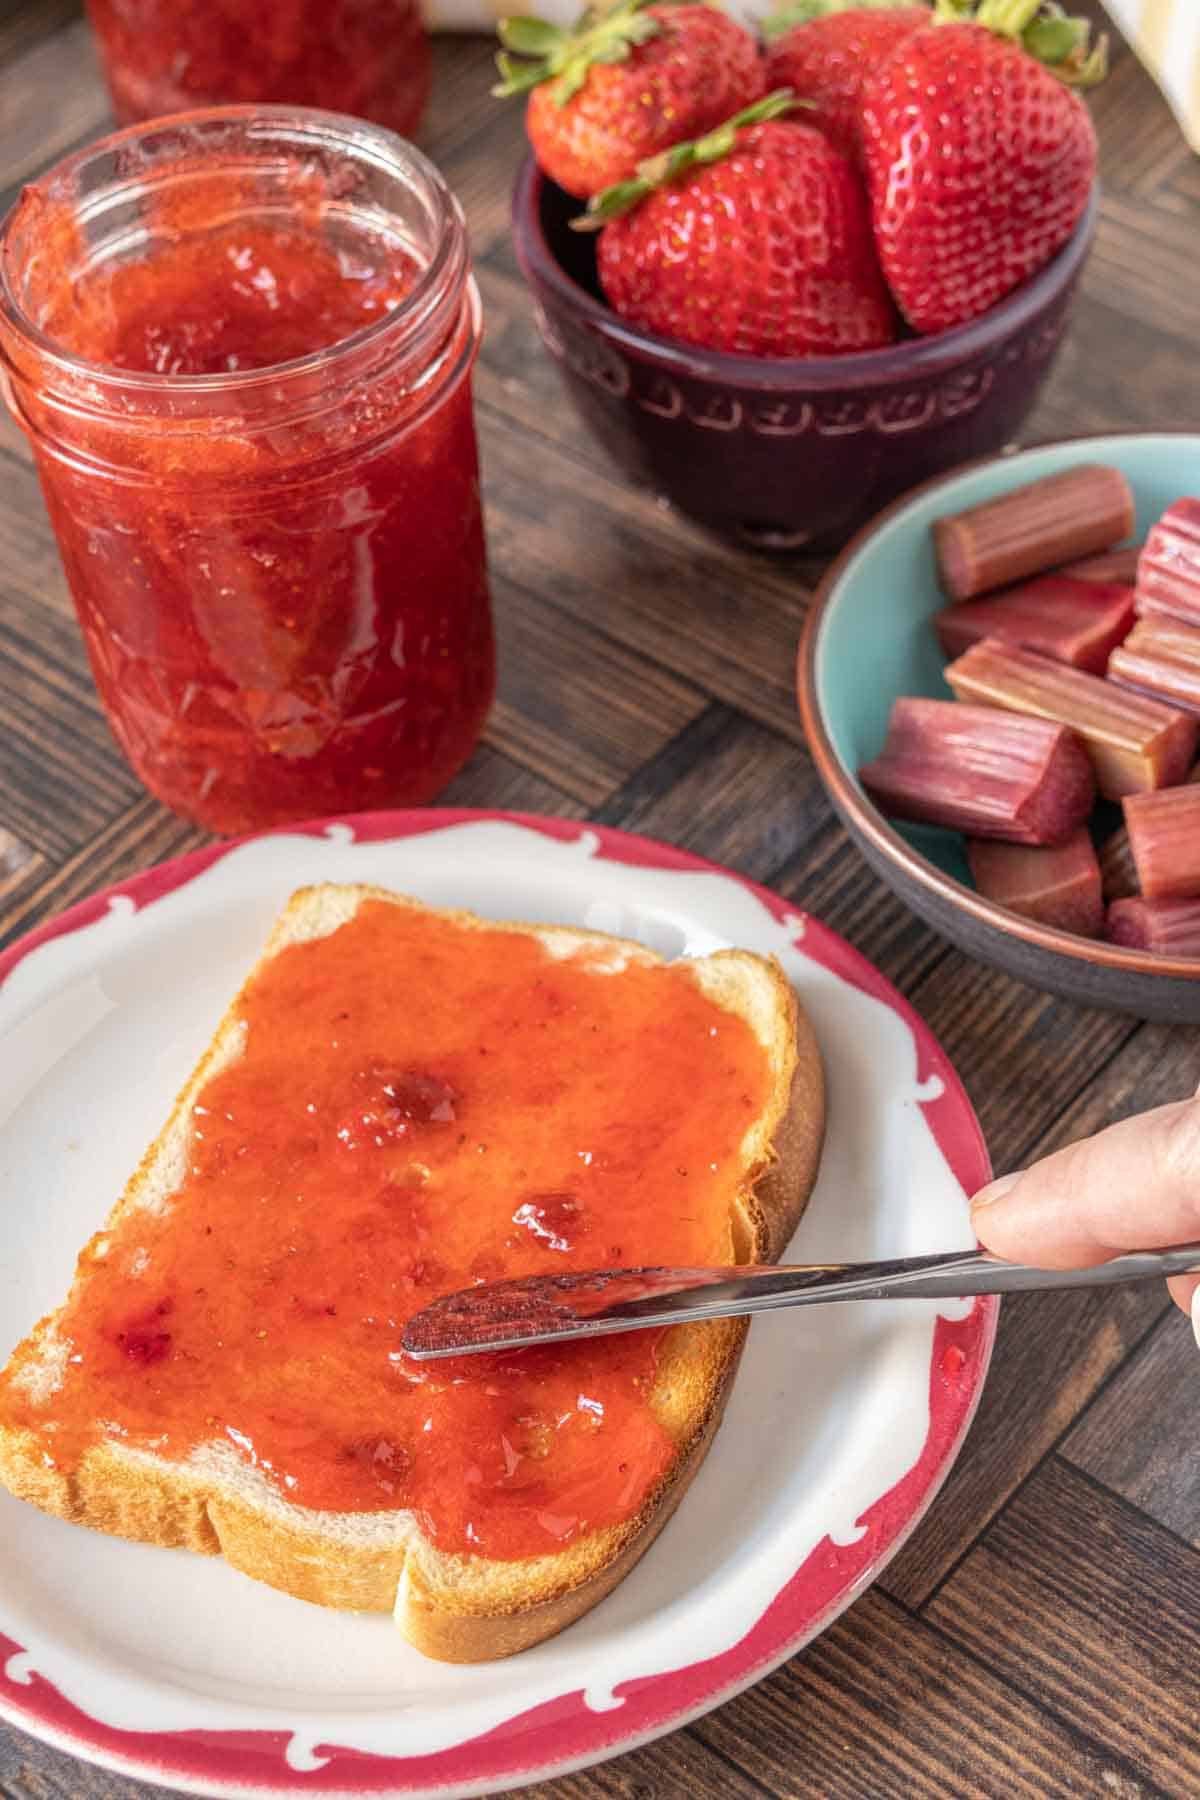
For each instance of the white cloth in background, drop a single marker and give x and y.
(1166, 35)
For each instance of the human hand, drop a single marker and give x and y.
(1134, 1186)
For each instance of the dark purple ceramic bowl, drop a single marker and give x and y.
(787, 452)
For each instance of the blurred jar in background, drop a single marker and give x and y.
(365, 57)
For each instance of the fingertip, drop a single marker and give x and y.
(995, 1190)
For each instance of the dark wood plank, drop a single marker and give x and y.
(480, 155)
(1156, 1064)
(1139, 1436)
(61, 774)
(51, 98)
(573, 705)
(1143, 267)
(28, 22)
(464, 70)
(33, 1771)
(727, 789)
(675, 1768)
(143, 834)
(1116, 372)
(493, 780)
(1088, 1609)
(1053, 1353)
(31, 575)
(585, 546)
(146, 833)
(883, 1705)
(19, 864)
(1021, 1054)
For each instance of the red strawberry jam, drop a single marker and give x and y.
(262, 474)
(366, 57)
(548, 1114)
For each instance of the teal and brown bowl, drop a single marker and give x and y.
(869, 638)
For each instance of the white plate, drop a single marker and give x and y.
(177, 1669)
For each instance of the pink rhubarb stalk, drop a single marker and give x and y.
(987, 773)
(1135, 744)
(1034, 528)
(1059, 887)
(1160, 657)
(1110, 565)
(1075, 622)
(1167, 927)
(1164, 838)
(1169, 568)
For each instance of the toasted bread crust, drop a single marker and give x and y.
(452, 1608)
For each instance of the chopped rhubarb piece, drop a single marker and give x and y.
(1111, 565)
(1117, 871)
(1075, 622)
(1168, 927)
(1134, 743)
(990, 774)
(1164, 837)
(1168, 578)
(1033, 528)
(1160, 657)
(1058, 887)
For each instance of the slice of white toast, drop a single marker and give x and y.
(452, 1604)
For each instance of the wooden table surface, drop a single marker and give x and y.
(1040, 1633)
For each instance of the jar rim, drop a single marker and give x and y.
(340, 131)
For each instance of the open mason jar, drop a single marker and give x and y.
(241, 345)
(366, 57)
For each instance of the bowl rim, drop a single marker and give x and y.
(866, 818)
(909, 358)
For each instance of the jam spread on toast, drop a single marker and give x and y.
(417, 1108)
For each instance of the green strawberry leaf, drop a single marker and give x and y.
(1041, 27)
(657, 171)
(564, 57)
(1055, 40)
(803, 12)
(531, 37)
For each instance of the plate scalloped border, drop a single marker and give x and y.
(563, 1734)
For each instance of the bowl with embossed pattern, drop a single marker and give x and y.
(785, 452)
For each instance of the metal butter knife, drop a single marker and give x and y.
(543, 1309)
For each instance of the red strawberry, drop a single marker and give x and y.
(979, 159)
(626, 84)
(755, 238)
(825, 49)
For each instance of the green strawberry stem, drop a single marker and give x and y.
(668, 165)
(1042, 28)
(536, 51)
(803, 12)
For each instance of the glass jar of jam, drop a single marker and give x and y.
(367, 57)
(241, 345)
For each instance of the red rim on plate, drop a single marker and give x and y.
(565, 1733)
